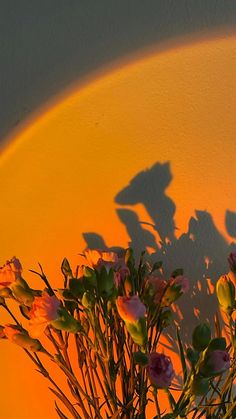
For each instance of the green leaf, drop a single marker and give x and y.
(182, 357)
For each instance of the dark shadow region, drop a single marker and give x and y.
(201, 251)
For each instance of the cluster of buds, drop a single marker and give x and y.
(208, 357)
(117, 308)
(39, 307)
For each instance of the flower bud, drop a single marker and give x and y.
(22, 292)
(201, 337)
(132, 311)
(66, 269)
(160, 370)
(214, 363)
(20, 337)
(225, 291)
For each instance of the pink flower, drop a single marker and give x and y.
(158, 287)
(10, 272)
(215, 363)
(160, 370)
(130, 309)
(44, 310)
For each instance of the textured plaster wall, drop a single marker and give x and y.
(47, 45)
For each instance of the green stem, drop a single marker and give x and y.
(154, 392)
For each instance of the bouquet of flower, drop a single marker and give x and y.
(102, 331)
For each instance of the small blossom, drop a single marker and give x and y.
(160, 370)
(44, 310)
(10, 272)
(215, 363)
(130, 309)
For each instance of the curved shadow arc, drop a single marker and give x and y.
(110, 69)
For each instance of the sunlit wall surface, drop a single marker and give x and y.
(63, 175)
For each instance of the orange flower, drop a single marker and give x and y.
(44, 310)
(10, 272)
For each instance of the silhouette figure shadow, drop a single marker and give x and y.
(201, 251)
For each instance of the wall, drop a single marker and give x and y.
(119, 121)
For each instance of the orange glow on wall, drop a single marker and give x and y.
(59, 176)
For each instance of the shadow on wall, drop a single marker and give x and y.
(202, 251)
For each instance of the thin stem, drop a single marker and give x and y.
(154, 392)
(11, 314)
